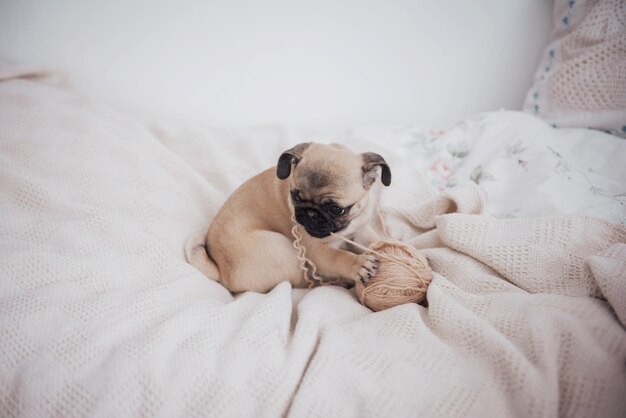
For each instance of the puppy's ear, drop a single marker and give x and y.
(372, 160)
(289, 157)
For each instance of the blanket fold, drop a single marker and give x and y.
(539, 255)
(563, 255)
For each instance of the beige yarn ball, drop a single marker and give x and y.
(403, 276)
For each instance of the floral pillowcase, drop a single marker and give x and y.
(581, 80)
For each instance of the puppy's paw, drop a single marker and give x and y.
(368, 267)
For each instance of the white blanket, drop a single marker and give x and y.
(101, 316)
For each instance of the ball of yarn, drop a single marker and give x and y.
(403, 276)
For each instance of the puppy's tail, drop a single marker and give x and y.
(197, 255)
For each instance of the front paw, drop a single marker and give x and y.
(367, 269)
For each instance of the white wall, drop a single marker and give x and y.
(332, 62)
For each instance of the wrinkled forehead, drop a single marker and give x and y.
(328, 179)
(315, 176)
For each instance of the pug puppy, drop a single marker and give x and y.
(329, 189)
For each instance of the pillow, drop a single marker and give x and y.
(581, 81)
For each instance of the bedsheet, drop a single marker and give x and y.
(100, 315)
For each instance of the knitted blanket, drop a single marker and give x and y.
(100, 315)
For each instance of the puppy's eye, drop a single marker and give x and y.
(337, 210)
(295, 196)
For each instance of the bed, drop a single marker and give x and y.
(113, 153)
(101, 315)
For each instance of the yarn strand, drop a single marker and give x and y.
(391, 258)
(302, 256)
(311, 270)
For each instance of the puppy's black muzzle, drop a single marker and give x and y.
(315, 222)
